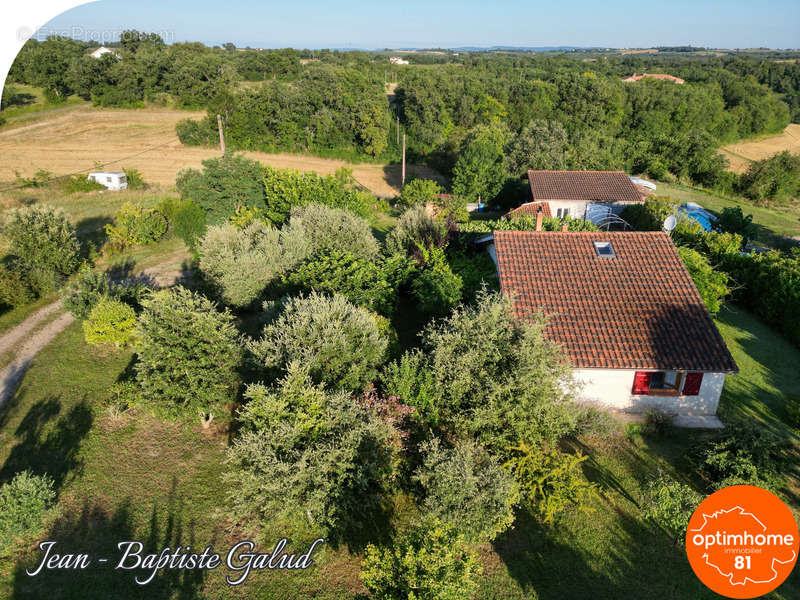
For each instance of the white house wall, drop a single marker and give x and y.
(612, 388)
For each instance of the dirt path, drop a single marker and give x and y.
(25, 340)
(49, 111)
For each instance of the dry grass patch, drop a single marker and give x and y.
(741, 154)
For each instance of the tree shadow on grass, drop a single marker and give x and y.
(93, 230)
(92, 529)
(621, 557)
(49, 441)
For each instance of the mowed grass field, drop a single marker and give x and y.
(145, 139)
(742, 153)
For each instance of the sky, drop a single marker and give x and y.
(370, 24)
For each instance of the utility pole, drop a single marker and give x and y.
(221, 137)
(398, 130)
(403, 171)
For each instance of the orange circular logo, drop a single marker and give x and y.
(742, 541)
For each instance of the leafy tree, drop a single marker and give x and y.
(410, 379)
(733, 220)
(419, 191)
(307, 451)
(712, 285)
(497, 378)
(23, 502)
(430, 562)
(225, 184)
(550, 481)
(188, 352)
(467, 490)
(110, 322)
(338, 342)
(367, 283)
(541, 144)
(42, 246)
(650, 215)
(241, 263)
(189, 223)
(480, 170)
(435, 286)
(670, 504)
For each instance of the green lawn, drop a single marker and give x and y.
(138, 477)
(772, 221)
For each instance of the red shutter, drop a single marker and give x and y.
(641, 383)
(692, 385)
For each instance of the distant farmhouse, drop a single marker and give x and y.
(591, 195)
(101, 51)
(628, 315)
(396, 60)
(661, 76)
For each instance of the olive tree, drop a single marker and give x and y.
(330, 229)
(339, 343)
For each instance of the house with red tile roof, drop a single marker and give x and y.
(591, 195)
(627, 314)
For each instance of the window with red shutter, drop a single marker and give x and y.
(641, 383)
(692, 385)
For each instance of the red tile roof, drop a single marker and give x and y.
(529, 209)
(595, 186)
(638, 310)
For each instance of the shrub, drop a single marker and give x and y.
(43, 246)
(135, 179)
(793, 412)
(188, 352)
(430, 562)
(669, 504)
(415, 228)
(497, 377)
(87, 289)
(658, 422)
(363, 282)
(435, 286)
(650, 215)
(78, 183)
(410, 378)
(467, 490)
(419, 192)
(241, 263)
(550, 481)
(135, 225)
(338, 342)
(189, 222)
(741, 454)
(23, 502)
(596, 422)
(712, 285)
(333, 230)
(110, 322)
(305, 451)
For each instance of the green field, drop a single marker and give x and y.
(772, 222)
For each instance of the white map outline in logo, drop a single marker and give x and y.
(730, 575)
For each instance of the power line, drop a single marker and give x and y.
(96, 167)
